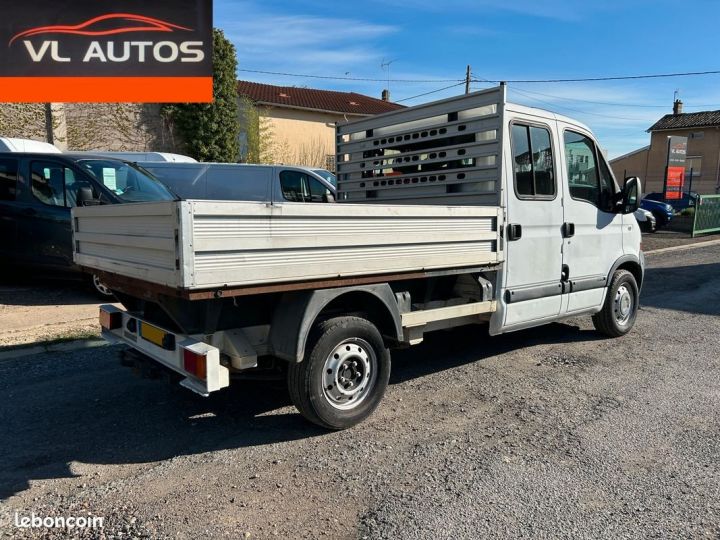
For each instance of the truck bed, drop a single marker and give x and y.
(210, 245)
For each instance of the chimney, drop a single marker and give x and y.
(386, 95)
(677, 107)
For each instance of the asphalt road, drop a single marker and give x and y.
(548, 433)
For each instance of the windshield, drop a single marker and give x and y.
(327, 175)
(127, 182)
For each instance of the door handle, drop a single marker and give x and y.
(514, 232)
(568, 230)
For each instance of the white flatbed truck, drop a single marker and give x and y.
(463, 211)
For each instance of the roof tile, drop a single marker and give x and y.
(687, 120)
(309, 98)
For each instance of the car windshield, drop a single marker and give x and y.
(125, 181)
(327, 175)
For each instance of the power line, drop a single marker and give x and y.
(593, 102)
(338, 78)
(618, 78)
(431, 92)
(555, 105)
(615, 104)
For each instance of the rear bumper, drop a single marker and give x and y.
(174, 351)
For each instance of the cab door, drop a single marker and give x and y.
(10, 210)
(51, 232)
(593, 231)
(532, 292)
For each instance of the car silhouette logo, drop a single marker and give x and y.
(103, 26)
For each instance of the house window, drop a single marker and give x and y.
(694, 164)
(697, 135)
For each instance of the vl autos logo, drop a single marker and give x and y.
(49, 49)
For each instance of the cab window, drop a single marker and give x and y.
(8, 179)
(300, 187)
(589, 178)
(533, 162)
(48, 183)
(291, 183)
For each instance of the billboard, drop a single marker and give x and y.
(675, 169)
(106, 51)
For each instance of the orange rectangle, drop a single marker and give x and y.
(106, 89)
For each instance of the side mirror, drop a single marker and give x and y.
(85, 197)
(328, 197)
(631, 195)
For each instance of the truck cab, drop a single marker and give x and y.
(561, 200)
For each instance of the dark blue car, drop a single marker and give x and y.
(37, 193)
(688, 200)
(662, 211)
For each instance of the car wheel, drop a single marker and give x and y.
(102, 290)
(660, 219)
(344, 374)
(619, 312)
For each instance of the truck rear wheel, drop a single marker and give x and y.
(344, 374)
(619, 312)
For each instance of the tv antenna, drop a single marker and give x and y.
(386, 67)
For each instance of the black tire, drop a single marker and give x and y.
(611, 320)
(318, 401)
(101, 291)
(660, 219)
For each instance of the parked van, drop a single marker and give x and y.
(144, 156)
(37, 192)
(239, 182)
(9, 144)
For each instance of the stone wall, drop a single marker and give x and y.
(92, 126)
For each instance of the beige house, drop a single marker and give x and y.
(297, 125)
(702, 168)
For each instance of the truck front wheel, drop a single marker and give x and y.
(344, 374)
(618, 314)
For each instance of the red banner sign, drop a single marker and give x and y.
(675, 183)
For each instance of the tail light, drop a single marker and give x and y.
(110, 320)
(195, 363)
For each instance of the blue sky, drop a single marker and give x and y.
(501, 39)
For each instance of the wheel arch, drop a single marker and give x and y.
(297, 312)
(632, 264)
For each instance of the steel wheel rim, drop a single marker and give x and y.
(100, 287)
(349, 374)
(624, 305)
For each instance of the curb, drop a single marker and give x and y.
(684, 246)
(52, 348)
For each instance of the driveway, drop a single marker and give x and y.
(548, 433)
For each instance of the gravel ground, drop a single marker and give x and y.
(547, 433)
(34, 310)
(665, 239)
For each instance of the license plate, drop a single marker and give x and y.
(155, 335)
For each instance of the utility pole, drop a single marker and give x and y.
(467, 80)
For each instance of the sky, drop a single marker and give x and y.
(434, 40)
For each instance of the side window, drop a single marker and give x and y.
(582, 168)
(294, 186)
(589, 177)
(48, 183)
(533, 162)
(8, 179)
(318, 191)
